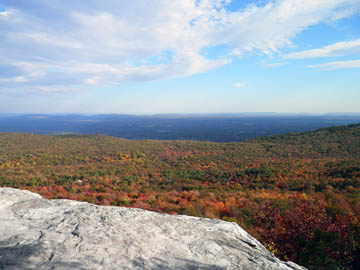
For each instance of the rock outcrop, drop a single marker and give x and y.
(36, 233)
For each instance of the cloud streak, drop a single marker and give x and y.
(276, 64)
(240, 85)
(337, 65)
(337, 49)
(49, 44)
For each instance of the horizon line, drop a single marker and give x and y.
(182, 114)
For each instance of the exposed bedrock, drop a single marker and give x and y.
(36, 233)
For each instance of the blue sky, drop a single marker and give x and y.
(179, 56)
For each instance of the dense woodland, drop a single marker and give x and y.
(297, 193)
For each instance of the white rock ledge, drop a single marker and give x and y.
(36, 233)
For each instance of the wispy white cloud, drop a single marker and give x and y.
(268, 29)
(337, 65)
(240, 84)
(4, 14)
(275, 64)
(336, 49)
(45, 39)
(62, 42)
(13, 80)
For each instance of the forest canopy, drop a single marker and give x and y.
(297, 193)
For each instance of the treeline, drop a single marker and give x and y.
(297, 193)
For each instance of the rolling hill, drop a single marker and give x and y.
(298, 193)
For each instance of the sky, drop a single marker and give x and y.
(179, 56)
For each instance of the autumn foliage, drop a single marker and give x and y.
(297, 193)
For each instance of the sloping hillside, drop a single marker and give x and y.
(297, 193)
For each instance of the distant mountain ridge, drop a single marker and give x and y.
(202, 127)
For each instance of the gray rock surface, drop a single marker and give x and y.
(36, 233)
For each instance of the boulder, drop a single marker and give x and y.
(36, 233)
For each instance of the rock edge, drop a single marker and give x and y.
(36, 233)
